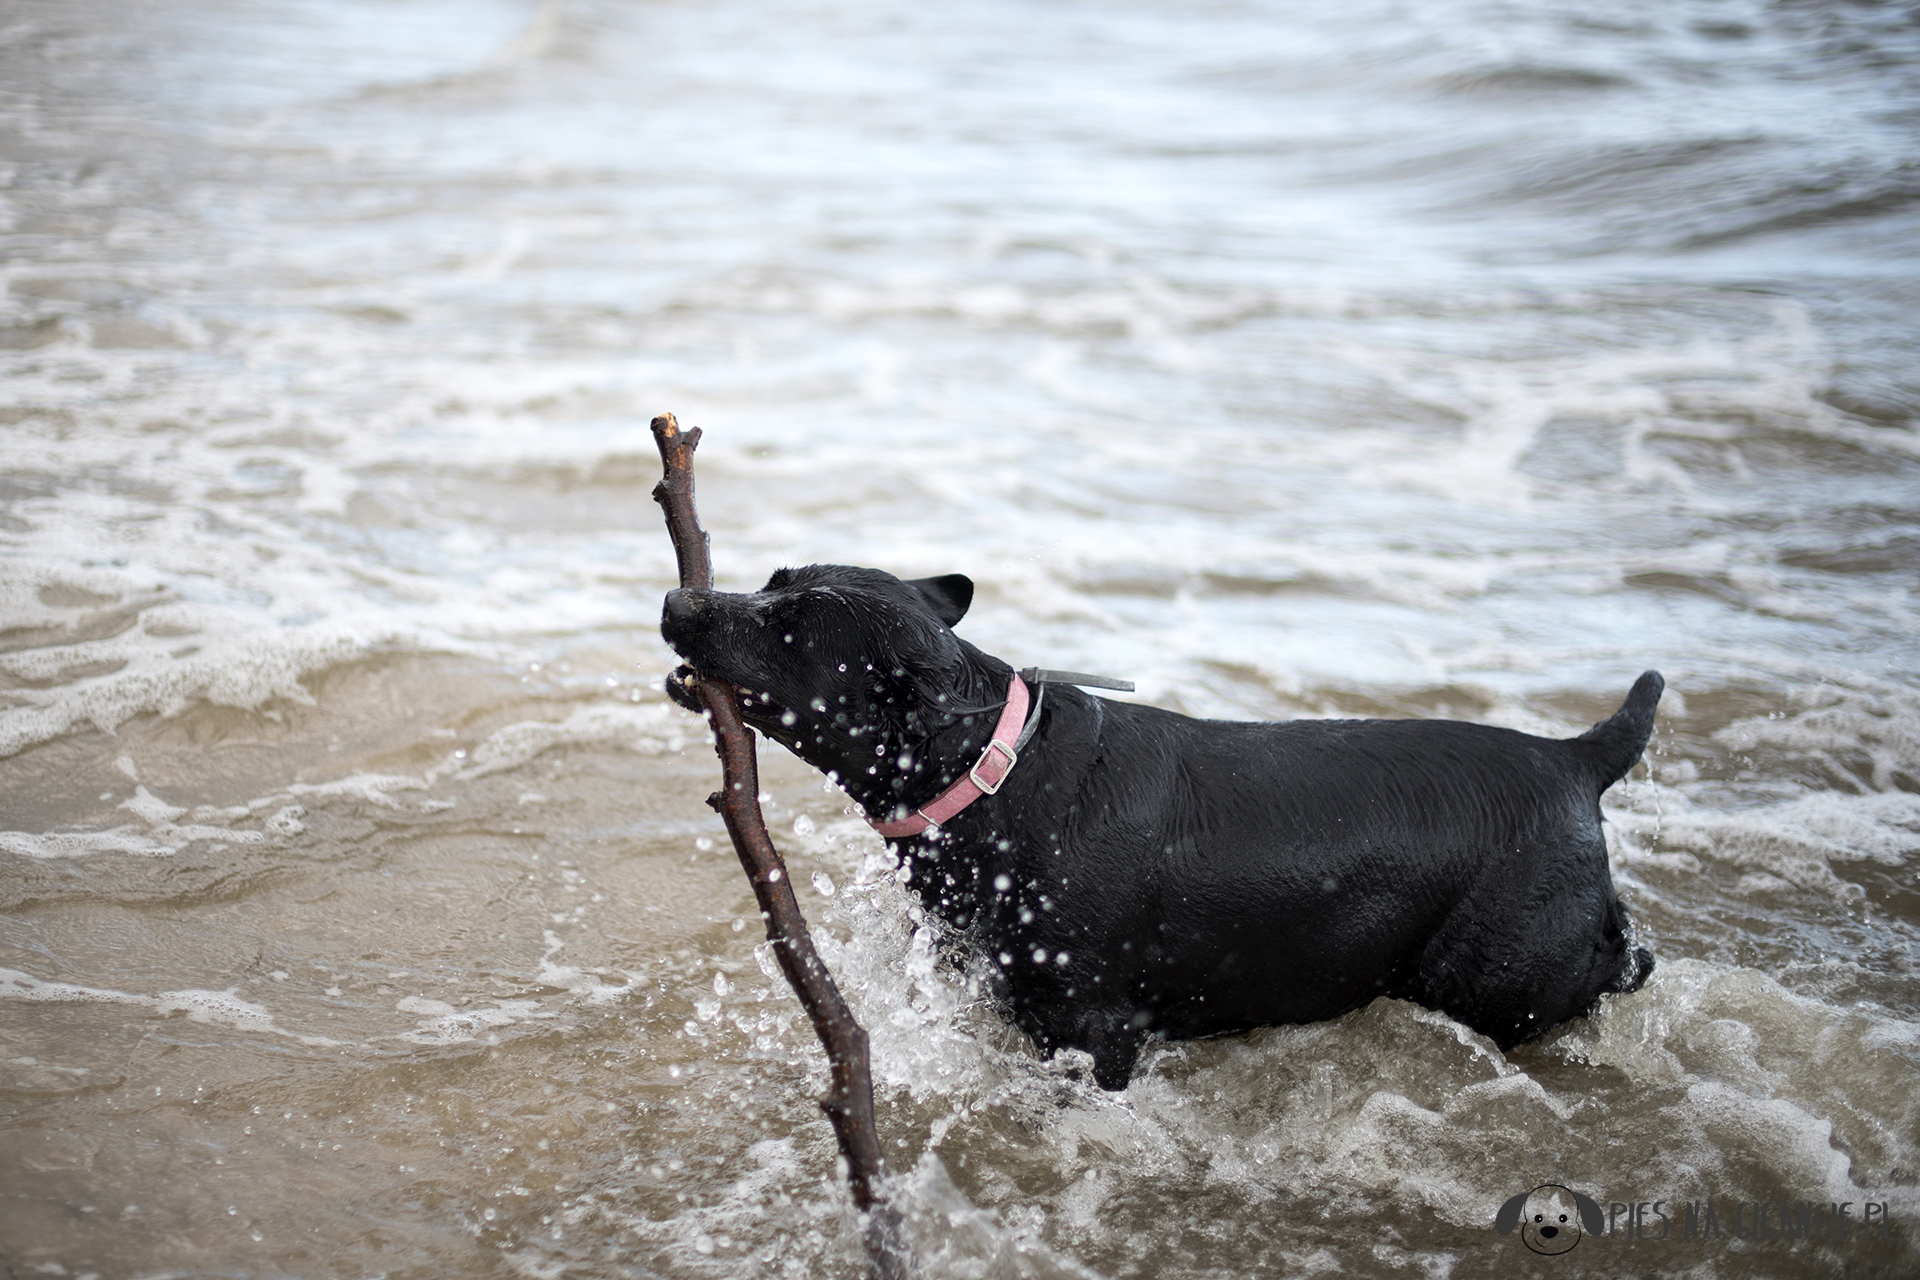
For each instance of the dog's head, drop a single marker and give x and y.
(850, 668)
(1550, 1218)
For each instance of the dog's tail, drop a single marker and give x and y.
(1615, 744)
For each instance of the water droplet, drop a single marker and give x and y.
(1001, 884)
(803, 826)
(823, 884)
(704, 1244)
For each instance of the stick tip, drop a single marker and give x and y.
(666, 425)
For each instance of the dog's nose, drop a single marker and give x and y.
(1549, 1232)
(684, 605)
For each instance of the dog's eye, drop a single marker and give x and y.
(1563, 1217)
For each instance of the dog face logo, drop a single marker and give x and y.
(1550, 1218)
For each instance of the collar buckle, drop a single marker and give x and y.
(989, 787)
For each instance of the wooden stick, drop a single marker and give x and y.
(849, 1104)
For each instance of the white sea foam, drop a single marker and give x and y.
(952, 1236)
(1736, 1036)
(579, 983)
(645, 728)
(77, 844)
(442, 1024)
(164, 834)
(1873, 722)
(373, 788)
(176, 654)
(1799, 840)
(216, 1008)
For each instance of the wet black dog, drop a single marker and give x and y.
(1140, 872)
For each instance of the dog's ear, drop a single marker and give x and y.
(949, 594)
(1509, 1216)
(1589, 1214)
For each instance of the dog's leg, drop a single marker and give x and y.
(1636, 962)
(1045, 1010)
(1559, 951)
(1113, 1037)
(1113, 1057)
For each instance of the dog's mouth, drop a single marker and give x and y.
(757, 706)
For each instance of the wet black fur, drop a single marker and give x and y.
(1141, 872)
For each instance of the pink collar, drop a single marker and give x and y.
(988, 772)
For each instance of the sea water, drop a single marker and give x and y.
(363, 915)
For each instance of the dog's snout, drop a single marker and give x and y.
(684, 605)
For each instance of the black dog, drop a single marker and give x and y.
(1139, 872)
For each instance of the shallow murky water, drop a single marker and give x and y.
(362, 916)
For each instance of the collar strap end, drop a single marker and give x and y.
(1041, 675)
